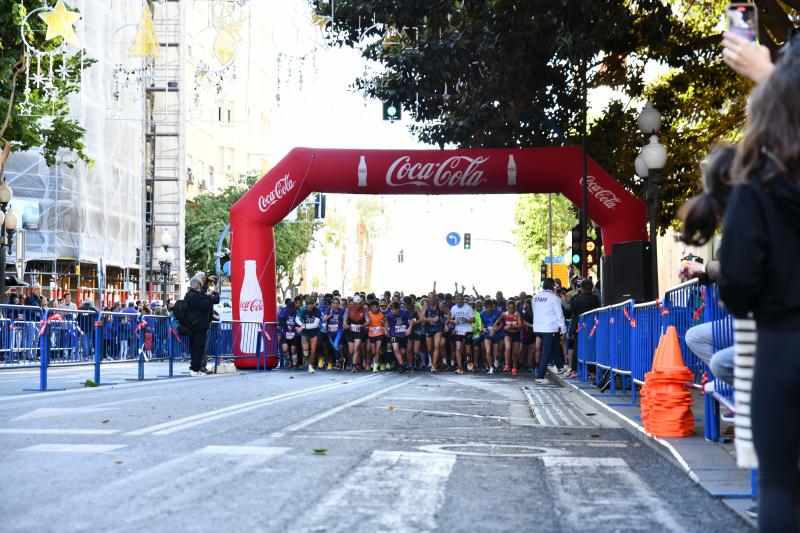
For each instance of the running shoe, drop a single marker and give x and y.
(470, 367)
(572, 375)
(374, 368)
(403, 369)
(514, 372)
(206, 371)
(458, 371)
(491, 370)
(330, 366)
(311, 369)
(321, 363)
(506, 369)
(193, 373)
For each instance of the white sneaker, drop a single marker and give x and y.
(311, 369)
(192, 373)
(491, 370)
(543, 381)
(564, 370)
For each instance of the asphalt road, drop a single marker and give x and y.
(393, 453)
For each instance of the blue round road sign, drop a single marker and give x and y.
(453, 238)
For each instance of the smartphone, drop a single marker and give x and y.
(742, 20)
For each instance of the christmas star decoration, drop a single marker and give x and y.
(59, 23)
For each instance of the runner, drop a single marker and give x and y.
(377, 323)
(492, 336)
(527, 338)
(290, 342)
(434, 328)
(308, 320)
(400, 323)
(461, 317)
(500, 302)
(513, 323)
(417, 333)
(334, 327)
(477, 338)
(354, 321)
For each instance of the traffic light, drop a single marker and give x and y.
(467, 241)
(591, 252)
(392, 110)
(577, 240)
(543, 273)
(319, 206)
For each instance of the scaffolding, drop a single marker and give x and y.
(164, 191)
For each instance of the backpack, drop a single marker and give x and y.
(181, 313)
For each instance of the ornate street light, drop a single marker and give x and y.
(8, 226)
(649, 165)
(166, 257)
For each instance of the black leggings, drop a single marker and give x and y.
(197, 348)
(776, 429)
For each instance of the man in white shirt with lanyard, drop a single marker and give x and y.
(548, 323)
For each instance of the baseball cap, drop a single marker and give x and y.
(357, 299)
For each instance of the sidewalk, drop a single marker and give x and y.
(712, 465)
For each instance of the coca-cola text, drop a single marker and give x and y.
(455, 171)
(604, 196)
(255, 305)
(283, 186)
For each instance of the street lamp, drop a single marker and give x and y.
(166, 258)
(649, 165)
(8, 226)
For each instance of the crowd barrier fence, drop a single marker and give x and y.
(31, 337)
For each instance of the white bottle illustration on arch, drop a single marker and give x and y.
(251, 309)
(362, 172)
(512, 171)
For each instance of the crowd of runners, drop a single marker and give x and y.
(436, 332)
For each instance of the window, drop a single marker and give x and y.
(219, 114)
(221, 157)
(229, 116)
(211, 176)
(229, 158)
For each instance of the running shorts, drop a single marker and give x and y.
(513, 335)
(402, 341)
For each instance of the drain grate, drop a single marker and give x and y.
(492, 450)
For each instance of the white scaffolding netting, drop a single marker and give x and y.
(83, 213)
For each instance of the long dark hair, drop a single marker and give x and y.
(702, 213)
(771, 143)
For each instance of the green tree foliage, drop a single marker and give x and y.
(208, 214)
(533, 228)
(18, 131)
(503, 73)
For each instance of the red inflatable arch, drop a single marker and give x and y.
(620, 215)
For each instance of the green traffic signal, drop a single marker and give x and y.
(576, 259)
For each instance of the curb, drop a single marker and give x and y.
(661, 446)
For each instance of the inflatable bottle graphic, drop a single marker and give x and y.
(362, 172)
(512, 170)
(251, 309)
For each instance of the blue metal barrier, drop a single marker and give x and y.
(684, 306)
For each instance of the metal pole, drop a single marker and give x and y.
(653, 201)
(584, 184)
(550, 234)
(3, 253)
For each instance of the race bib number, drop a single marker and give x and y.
(289, 335)
(355, 328)
(333, 328)
(375, 331)
(400, 330)
(460, 320)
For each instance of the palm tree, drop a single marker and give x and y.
(370, 212)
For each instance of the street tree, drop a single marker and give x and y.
(532, 232)
(45, 122)
(503, 73)
(208, 214)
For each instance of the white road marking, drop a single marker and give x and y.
(180, 424)
(325, 414)
(446, 413)
(249, 451)
(47, 412)
(403, 491)
(582, 485)
(73, 448)
(32, 431)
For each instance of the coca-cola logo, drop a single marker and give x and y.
(604, 196)
(254, 305)
(282, 187)
(455, 171)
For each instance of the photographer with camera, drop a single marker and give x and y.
(200, 300)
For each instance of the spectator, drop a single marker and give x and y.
(200, 300)
(68, 305)
(701, 215)
(584, 302)
(761, 242)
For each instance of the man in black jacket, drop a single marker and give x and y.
(584, 302)
(200, 300)
(86, 319)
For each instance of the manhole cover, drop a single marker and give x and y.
(492, 450)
